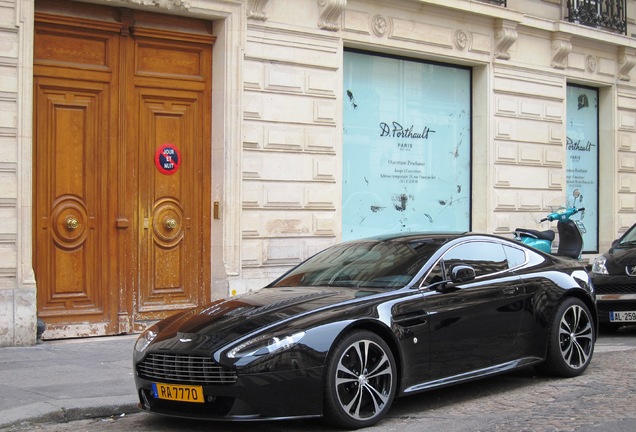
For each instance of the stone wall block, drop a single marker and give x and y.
(8, 181)
(626, 100)
(626, 141)
(626, 203)
(283, 252)
(627, 162)
(324, 224)
(283, 196)
(553, 157)
(8, 218)
(531, 155)
(531, 201)
(7, 319)
(321, 139)
(422, 33)
(526, 177)
(321, 83)
(9, 81)
(285, 78)
(252, 135)
(251, 253)
(284, 137)
(324, 169)
(526, 131)
(252, 195)
(8, 113)
(627, 120)
(25, 317)
(321, 196)
(506, 152)
(9, 43)
(8, 260)
(626, 183)
(8, 149)
(253, 75)
(505, 200)
(250, 224)
(292, 47)
(625, 221)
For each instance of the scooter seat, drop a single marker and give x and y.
(542, 235)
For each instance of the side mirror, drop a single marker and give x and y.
(462, 273)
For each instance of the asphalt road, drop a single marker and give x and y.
(602, 399)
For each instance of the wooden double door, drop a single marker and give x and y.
(122, 129)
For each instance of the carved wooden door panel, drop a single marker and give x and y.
(74, 252)
(168, 240)
(174, 192)
(74, 247)
(121, 237)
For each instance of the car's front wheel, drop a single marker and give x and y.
(360, 381)
(572, 337)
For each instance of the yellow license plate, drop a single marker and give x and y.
(177, 392)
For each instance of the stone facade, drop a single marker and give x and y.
(277, 116)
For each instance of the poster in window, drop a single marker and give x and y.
(407, 146)
(582, 160)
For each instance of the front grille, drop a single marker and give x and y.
(606, 307)
(180, 368)
(615, 289)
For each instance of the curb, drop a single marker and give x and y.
(73, 409)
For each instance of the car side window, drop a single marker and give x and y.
(485, 257)
(435, 275)
(516, 257)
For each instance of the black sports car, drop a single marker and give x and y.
(614, 276)
(345, 332)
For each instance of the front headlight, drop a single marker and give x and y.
(265, 345)
(145, 338)
(599, 265)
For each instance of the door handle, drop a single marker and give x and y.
(510, 290)
(71, 223)
(170, 223)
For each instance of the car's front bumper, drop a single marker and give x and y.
(614, 293)
(262, 396)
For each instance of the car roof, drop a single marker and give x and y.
(406, 236)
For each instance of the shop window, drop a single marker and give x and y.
(582, 160)
(407, 146)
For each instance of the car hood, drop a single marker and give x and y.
(620, 257)
(218, 323)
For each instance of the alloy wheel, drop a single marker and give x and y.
(364, 380)
(576, 336)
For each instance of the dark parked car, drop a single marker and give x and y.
(344, 333)
(614, 276)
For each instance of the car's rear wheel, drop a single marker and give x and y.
(360, 381)
(571, 342)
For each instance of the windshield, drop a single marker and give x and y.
(630, 237)
(364, 264)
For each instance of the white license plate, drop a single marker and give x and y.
(623, 316)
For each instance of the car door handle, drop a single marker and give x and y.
(511, 290)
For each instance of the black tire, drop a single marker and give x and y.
(360, 381)
(571, 339)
